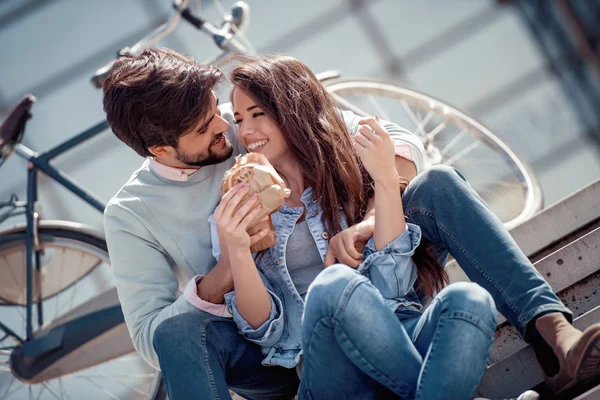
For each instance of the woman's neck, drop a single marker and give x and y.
(292, 175)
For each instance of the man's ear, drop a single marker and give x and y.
(160, 151)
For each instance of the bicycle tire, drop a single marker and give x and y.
(532, 199)
(90, 243)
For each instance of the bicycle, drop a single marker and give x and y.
(37, 251)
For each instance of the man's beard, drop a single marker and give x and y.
(208, 158)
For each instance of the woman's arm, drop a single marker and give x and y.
(377, 154)
(252, 299)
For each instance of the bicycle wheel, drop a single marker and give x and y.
(500, 177)
(106, 367)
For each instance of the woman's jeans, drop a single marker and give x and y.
(355, 347)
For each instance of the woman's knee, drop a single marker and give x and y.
(328, 288)
(469, 298)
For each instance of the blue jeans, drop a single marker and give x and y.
(202, 356)
(356, 347)
(454, 219)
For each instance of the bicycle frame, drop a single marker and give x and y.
(41, 162)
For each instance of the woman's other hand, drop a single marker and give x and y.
(234, 214)
(347, 246)
(376, 151)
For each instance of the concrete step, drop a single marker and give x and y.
(592, 394)
(559, 220)
(573, 273)
(520, 371)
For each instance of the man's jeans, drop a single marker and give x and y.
(355, 347)
(454, 219)
(202, 356)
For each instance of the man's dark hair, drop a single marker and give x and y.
(156, 97)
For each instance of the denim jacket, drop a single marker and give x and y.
(391, 270)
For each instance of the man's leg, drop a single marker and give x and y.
(202, 356)
(454, 219)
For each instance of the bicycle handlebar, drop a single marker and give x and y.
(222, 37)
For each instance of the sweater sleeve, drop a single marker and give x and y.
(145, 281)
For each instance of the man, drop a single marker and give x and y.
(162, 105)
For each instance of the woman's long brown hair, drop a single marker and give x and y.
(314, 130)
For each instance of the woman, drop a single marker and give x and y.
(363, 334)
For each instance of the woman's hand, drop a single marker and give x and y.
(376, 151)
(233, 219)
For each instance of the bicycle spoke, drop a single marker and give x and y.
(123, 383)
(8, 388)
(349, 106)
(62, 388)
(435, 131)
(453, 142)
(12, 274)
(74, 289)
(47, 386)
(462, 153)
(103, 389)
(413, 117)
(380, 111)
(103, 375)
(425, 121)
(41, 391)
(7, 393)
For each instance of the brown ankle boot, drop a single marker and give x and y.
(579, 358)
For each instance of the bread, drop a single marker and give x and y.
(255, 169)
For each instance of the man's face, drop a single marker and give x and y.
(206, 143)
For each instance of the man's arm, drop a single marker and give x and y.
(145, 281)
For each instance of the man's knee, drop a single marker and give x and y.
(440, 177)
(191, 330)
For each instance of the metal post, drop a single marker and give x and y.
(31, 198)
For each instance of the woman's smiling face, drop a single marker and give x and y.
(258, 132)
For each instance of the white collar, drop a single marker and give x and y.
(172, 173)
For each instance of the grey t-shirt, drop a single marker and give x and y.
(302, 258)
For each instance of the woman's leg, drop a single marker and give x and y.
(455, 339)
(454, 219)
(353, 343)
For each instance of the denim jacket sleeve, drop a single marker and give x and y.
(392, 269)
(269, 333)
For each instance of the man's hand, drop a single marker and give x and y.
(347, 246)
